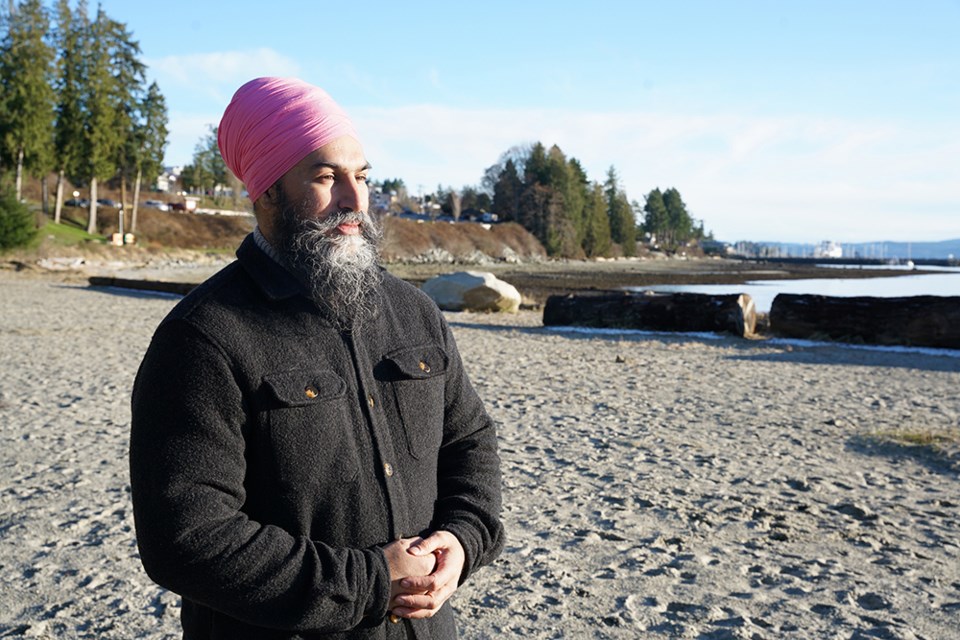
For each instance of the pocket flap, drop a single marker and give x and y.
(303, 387)
(420, 362)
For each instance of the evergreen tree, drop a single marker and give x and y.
(518, 154)
(103, 137)
(596, 242)
(655, 216)
(127, 96)
(70, 121)
(678, 220)
(26, 93)
(541, 211)
(208, 173)
(623, 226)
(563, 227)
(578, 193)
(473, 198)
(396, 185)
(17, 226)
(536, 170)
(507, 191)
(149, 142)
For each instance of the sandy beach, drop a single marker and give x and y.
(655, 485)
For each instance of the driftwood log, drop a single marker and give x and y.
(180, 288)
(923, 321)
(733, 313)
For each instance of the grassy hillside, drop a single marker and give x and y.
(404, 240)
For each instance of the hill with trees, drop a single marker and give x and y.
(76, 107)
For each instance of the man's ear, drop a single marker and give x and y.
(270, 196)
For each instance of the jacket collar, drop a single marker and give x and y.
(273, 279)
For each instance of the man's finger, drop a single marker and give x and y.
(423, 546)
(420, 606)
(420, 584)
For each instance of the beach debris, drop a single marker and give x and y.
(687, 312)
(919, 321)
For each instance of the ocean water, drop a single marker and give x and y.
(945, 281)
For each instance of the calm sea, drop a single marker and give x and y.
(944, 282)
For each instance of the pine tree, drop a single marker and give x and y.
(26, 73)
(596, 243)
(17, 227)
(623, 226)
(69, 131)
(150, 141)
(535, 169)
(208, 171)
(506, 192)
(540, 209)
(678, 220)
(102, 138)
(655, 217)
(577, 195)
(127, 95)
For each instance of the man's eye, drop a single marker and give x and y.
(362, 178)
(326, 176)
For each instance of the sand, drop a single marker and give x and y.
(655, 485)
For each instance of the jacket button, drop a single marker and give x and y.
(424, 367)
(388, 469)
(370, 401)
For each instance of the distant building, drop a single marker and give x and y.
(168, 179)
(828, 249)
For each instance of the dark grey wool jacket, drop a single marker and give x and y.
(272, 456)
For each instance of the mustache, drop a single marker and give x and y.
(336, 218)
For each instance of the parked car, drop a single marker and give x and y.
(106, 202)
(77, 202)
(157, 204)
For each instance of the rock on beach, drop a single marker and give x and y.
(655, 485)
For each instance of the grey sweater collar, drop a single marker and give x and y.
(265, 246)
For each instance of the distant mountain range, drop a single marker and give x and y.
(943, 250)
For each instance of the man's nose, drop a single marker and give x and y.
(349, 197)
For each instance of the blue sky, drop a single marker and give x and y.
(799, 121)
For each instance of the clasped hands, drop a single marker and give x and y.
(424, 573)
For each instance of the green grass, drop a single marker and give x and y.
(63, 234)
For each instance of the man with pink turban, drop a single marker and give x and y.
(308, 457)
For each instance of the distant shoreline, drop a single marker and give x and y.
(536, 280)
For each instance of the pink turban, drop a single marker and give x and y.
(271, 124)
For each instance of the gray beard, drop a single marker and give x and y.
(341, 273)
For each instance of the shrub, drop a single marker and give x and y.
(16, 221)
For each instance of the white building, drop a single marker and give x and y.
(828, 249)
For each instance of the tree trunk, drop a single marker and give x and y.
(44, 195)
(92, 218)
(923, 321)
(123, 198)
(455, 205)
(19, 184)
(136, 201)
(58, 204)
(734, 313)
(44, 202)
(181, 288)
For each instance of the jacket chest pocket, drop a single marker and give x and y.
(416, 378)
(309, 430)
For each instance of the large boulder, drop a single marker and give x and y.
(472, 291)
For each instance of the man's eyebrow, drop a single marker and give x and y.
(338, 167)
